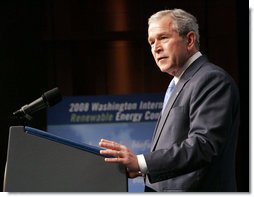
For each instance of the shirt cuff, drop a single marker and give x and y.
(142, 164)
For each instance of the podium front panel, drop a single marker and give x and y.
(37, 164)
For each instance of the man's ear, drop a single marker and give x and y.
(191, 39)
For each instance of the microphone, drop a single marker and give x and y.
(47, 99)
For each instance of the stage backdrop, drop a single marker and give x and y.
(127, 119)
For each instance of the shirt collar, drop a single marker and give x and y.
(185, 66)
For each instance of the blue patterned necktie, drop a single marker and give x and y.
(170, 89)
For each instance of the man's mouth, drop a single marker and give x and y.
(161, 58)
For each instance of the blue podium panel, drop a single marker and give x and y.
(41, 162)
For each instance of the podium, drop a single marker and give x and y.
(38, 161)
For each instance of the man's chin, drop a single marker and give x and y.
(164, 69)
(168, 71)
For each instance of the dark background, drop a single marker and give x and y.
(99, 47)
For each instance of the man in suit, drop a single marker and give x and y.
(194, 142)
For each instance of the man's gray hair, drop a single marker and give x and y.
(183, 22)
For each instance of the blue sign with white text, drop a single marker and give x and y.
(126, 119)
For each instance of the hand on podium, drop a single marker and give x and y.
(121, 155)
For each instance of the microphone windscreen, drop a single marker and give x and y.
(52, 97)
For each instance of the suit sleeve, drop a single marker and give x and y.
(211, 114)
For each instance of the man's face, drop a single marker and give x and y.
(169, 49)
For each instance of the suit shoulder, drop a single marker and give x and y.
(210, 71)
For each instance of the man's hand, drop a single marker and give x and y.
(122, 155)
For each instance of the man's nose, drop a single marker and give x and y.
(157, 47)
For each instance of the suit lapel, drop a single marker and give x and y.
(179, 86)
(164, 116)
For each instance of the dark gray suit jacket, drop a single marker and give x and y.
(194, 143)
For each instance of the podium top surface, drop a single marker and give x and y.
(52, 137)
